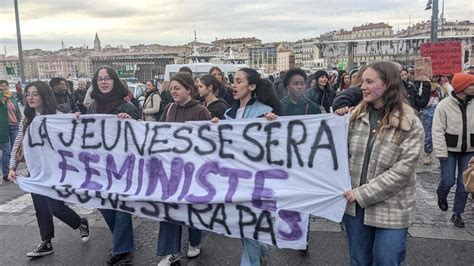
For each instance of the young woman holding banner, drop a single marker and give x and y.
(253, 97)
(184, 109)
(40, 101)
(108, 95)
(385, 141)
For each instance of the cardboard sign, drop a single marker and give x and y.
(423, 69)
(446, 57)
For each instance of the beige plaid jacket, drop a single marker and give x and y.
(390, 192)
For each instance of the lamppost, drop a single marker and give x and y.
(434, 19)
(18, 37)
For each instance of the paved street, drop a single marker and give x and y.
(433, 240)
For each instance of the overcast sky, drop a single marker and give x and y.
(44, 24)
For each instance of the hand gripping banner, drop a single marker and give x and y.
(247, 178)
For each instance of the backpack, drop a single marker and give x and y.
(165, 100)
(158, 114)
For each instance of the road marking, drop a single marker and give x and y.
(24, 201)
(17, 205)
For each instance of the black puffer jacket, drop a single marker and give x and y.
(418, 93)
(348, 98)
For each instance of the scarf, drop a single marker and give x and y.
(106, 102)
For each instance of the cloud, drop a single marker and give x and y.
(173, 21)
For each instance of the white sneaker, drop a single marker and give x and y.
(169, 259)
(194, 251)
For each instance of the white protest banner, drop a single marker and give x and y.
(242, 178)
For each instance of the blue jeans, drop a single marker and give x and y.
(120, 224)
(370, 245)
(448, 178)
(169, 238)
(427, 123)
(6, 152)
(251, 252)
(7, 147)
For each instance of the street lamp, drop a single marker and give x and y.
(428, 5)
(18, 37)
(433, 4)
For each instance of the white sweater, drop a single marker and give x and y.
(448, 127)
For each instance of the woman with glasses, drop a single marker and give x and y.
(108, 95)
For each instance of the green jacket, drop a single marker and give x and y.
(303, 107)
(4, 126)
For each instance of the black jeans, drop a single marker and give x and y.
(45, 208)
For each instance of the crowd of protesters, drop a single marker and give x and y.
(393, 119)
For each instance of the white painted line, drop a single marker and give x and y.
(24, 201)
(17, 204)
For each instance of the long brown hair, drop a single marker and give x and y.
(46, 94)
(393, 97)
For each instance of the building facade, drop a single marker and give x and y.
(142, 66)
(237, 42)
(372, 30)
(285, 58)
(263, 58)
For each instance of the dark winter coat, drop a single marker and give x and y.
(304, 106)
(323, 98)
(418, 93)
(217, 108)
(65, 103)
(348, 98)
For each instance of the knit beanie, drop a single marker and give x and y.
(461, 81)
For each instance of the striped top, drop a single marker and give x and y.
(19, 137)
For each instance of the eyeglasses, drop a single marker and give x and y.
(107, 79)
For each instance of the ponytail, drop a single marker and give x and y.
(264, 91)
(266, 94)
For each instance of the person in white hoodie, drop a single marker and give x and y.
(453, 142)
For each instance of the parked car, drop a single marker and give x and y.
(138, 91)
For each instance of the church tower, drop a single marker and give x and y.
(97, 43)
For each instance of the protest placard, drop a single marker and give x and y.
(423, 69)
(242, 178)
(446, 57)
